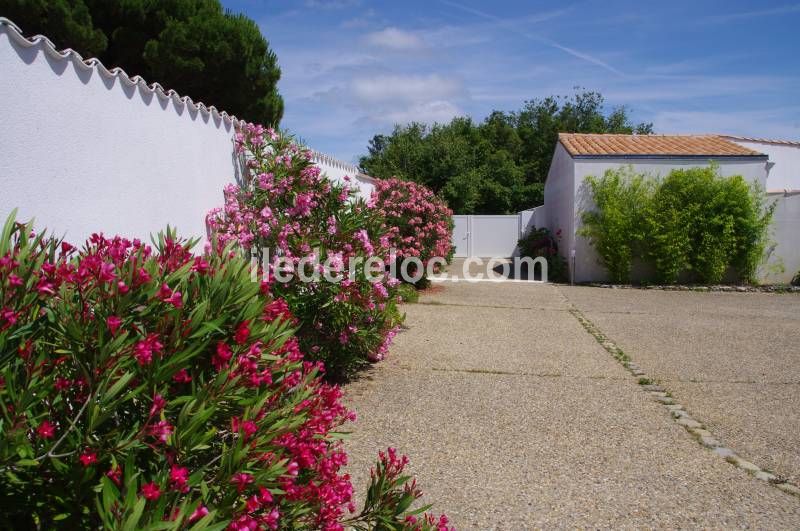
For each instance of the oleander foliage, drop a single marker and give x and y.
(147, 388)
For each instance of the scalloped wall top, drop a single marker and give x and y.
(68, 54)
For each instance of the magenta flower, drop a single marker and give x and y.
(151, 491)
(182, 376)
(113, 323)
(241, 480)
(46, 430)
(158, 405)
(179, 478)
(115, 475)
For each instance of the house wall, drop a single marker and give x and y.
(785, 171)
(84, 149)
(587, 263)
(559, 200)
(784, 259)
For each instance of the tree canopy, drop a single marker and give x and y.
(194, 47)
(497, 166)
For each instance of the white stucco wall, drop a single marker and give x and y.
(784, 173)
(587, 263)
(337, 170)
(559, 199)
(784, 259)
(83, 149)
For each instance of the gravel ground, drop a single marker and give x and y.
(732, 359)
(515, 418)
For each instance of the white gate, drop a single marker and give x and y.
(486, 236)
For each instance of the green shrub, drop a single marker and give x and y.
(617, 225)
(693, 221)
(540, 242)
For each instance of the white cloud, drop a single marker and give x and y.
(396, 40)
(428, 112)
(332, 4)
(406, 88)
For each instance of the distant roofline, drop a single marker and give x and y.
(795, 143)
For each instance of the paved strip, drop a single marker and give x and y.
(732, 360)
(580, 444)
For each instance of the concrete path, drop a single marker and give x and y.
(732, 359)
(514, 417)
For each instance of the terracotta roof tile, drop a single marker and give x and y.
(579, 144)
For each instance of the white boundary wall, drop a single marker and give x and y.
(490, 236)
(85, 149)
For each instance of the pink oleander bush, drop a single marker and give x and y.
(418, 222)
(156, 389)
(285, 205)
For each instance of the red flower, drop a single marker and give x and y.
(151, 491)
(46, 430)
(222, 356)
(242, 333)
(182, 376)
(88, 458)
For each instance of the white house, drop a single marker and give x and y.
(580, 155)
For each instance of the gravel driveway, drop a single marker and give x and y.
(515, 417)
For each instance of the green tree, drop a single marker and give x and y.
(194, 47)
(496, 166)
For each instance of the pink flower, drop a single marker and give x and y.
(88, 458)
(46, 430)
(241, 480)
(158, 405)
(170, 297)
(161, 430)
(198, 513)
(113, 323)
(107, 273)
(151, 491)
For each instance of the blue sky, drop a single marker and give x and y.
(353, 68)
